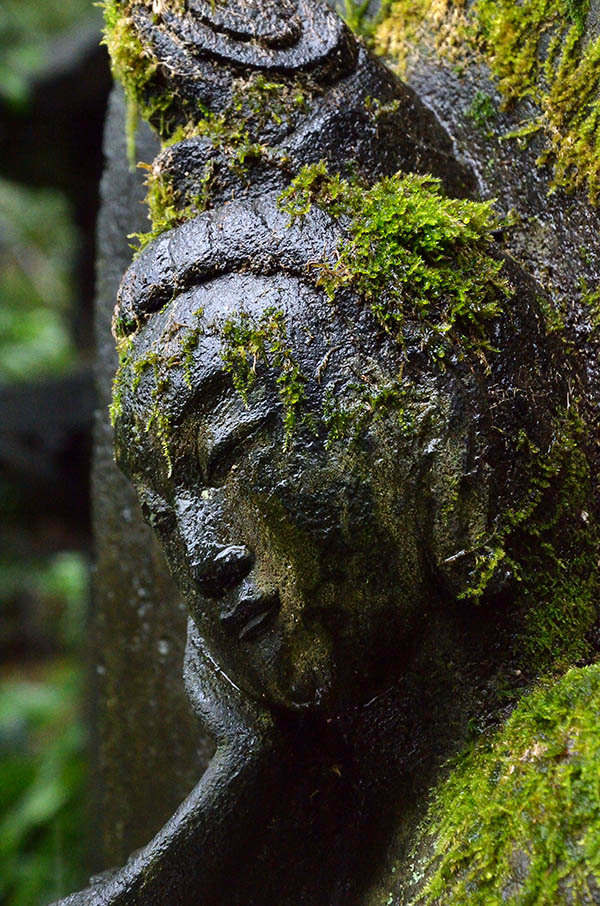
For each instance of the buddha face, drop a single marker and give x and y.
(306, 519)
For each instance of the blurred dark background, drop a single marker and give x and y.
(54, 84)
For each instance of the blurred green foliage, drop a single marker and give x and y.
(37, 245)
(26, 30)
(42, 743)
(42, 772)
(58, 586)
(42, 732)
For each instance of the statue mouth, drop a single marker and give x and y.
(251, 616)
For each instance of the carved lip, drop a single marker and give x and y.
(250, 616)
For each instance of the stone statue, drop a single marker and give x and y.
(363, 455)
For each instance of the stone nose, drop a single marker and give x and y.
(224, 569)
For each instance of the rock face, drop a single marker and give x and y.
(364, 451)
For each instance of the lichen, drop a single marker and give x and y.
(411, 253)
(536, 50)
(518, 819)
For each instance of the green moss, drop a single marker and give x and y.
(167, 207)
(135, 67)
(411, 252)
(248, 341)
(406, 23)
(131, 372)
(256, 104)
(189, 346)
(518, 820)
(590, 299)
(482, 110)
(537, 50)
(548, 542)
(356, 14)
(348, 418)
(125, 351)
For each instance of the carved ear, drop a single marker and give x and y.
(201, 46)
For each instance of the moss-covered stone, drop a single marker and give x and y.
(411, 252)
(537, 50)
(548, 542)
(518, 819)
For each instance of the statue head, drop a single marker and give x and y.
(319, 489)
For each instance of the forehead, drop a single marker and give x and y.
(186, 348)
(208, 310)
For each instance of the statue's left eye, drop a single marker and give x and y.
(223, 453)
(157, 513)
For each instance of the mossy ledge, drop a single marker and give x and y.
(518, 819)
(537, 50)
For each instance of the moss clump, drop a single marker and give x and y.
(167, 207)
(411, 253)
(247, 341)
(518, 821)
(536, 49)
(134, 67)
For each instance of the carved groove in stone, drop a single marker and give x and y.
(282, 37)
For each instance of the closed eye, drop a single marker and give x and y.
(224, 452)
(156, 512)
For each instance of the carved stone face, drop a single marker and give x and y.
(315, 520)
(310, 563)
